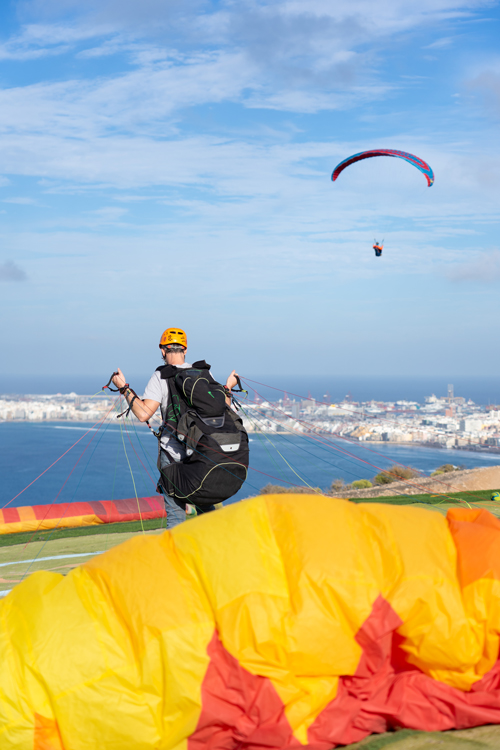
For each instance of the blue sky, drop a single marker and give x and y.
(168, 163)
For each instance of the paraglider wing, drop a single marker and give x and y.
(285, 621)
(411, 158)
(71, 515)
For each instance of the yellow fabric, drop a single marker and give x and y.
(114, 654)
(42, 524)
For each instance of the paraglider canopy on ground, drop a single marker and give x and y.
(285, 620)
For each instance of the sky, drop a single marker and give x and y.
(168, 163)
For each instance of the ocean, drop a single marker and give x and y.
(114, 462)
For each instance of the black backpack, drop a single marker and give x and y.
(215, 439)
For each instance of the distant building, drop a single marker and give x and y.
(470, 425)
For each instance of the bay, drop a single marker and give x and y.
(117, 462)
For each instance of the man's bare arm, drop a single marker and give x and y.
(230, 383)
(143, 409)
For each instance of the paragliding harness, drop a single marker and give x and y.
(216, 442)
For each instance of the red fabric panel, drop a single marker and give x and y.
(239, 709)
(10, 515)
(96, 507)
(126, 507)
(381, 697)
(244, 710)
(108, 511)
(61, 510)
(128, 510)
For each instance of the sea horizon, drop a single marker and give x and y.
(482, 390)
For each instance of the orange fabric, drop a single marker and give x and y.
(476, 534)
(26, 513)
(46, 734)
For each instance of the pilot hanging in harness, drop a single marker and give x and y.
(202, 444)
(378, 247)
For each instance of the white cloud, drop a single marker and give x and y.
(41, 40)
(315, 101)
(124, 131)
(20, 200)
(102, 217)
(484, 268)
(10, 271)
(486, 82)
(136, 101)
(123, 14)
(236, 194)
(445, 41)
(150, 15)
(109, 213)
(319, 54)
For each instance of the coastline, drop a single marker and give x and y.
(473, 448)
(483, 478)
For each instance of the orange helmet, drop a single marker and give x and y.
(174, 336)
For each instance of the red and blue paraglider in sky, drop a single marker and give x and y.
(410, 158)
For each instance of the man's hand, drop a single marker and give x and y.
(232, 380)
(119, 378)
(142, 408)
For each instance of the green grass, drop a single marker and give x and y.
(451, 498)
(7, 540)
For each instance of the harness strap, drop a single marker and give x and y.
(127, 411)
(172, 389)
(240, 387)
(229, 393)
(113, 390)
(116, 390)
(122, 391)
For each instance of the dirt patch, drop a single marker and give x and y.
(479, 738)
(486, 478)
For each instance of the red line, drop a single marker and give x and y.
(131, 443)
(317, 401)
(53, 464)
(321, 439)
(65, 483)
(349, 411)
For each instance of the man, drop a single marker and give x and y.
(173, 347)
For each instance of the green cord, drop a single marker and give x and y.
(132, 476)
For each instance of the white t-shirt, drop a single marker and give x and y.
(157, 390)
